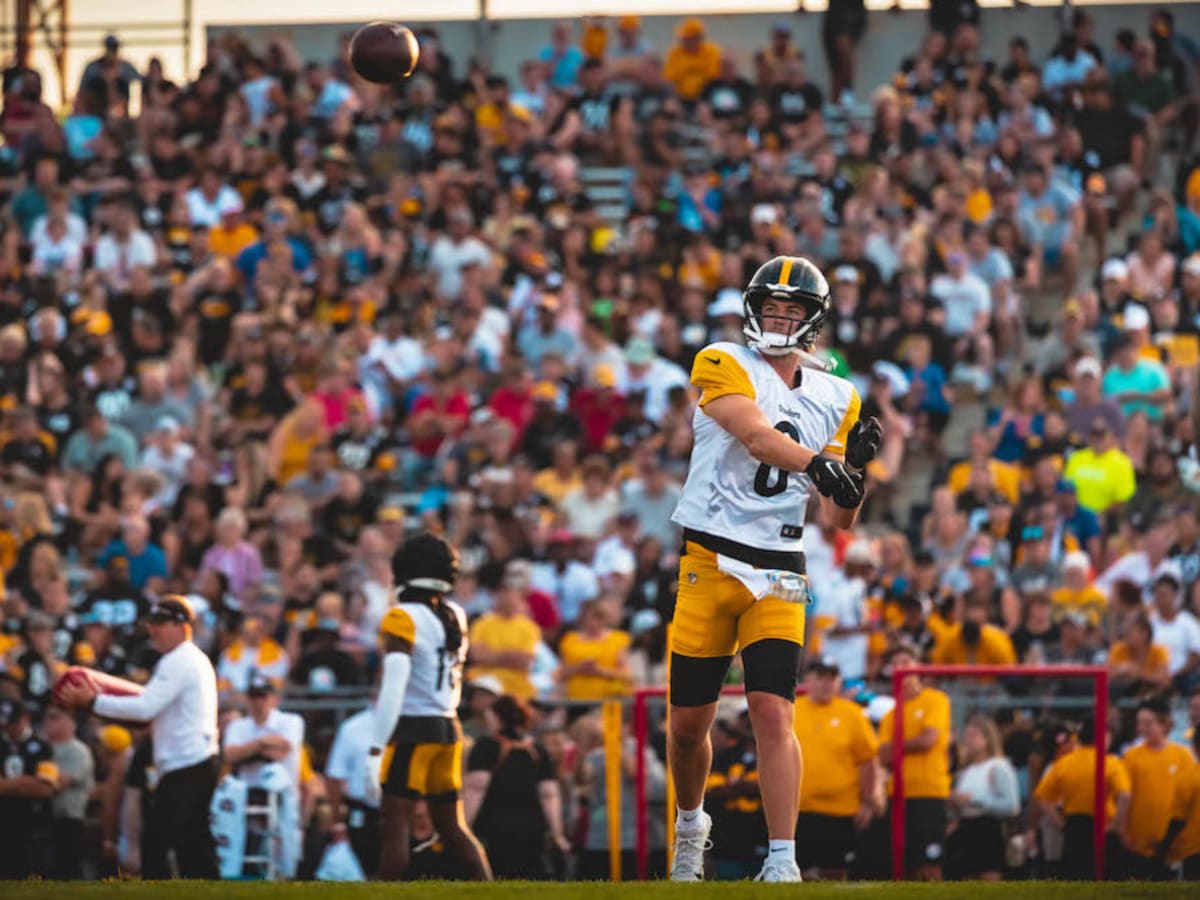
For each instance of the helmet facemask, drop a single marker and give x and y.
(801, 332)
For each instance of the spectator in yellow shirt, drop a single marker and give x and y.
(1005, 477)
(1182, 840)
(926, 767)
(693, 62)
(231, 235)
(1103, 475)
(1067, 794)
(974, 642)
(1078, 593)
(563, 476)
(1136, 664)
(594, 657)
(837, 796)
(503, 643)
(1156, 766)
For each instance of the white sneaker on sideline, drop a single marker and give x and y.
(690, 844)
(779, 868)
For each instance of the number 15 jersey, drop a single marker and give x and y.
(730, 494)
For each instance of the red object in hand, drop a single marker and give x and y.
(101, 682)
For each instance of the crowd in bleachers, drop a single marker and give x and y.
(258, 326)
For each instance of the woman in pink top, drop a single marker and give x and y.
(235, 557)
(1151, 267)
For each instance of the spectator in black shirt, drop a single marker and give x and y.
(1037, 636)
(360, 445)
(28, 780)
(511, 794)
(37, 668)
(322, 666)
(597, 123)
(1111, 132)
(347, 513)
(796, 99)
(257, 405)
(28, 452)
(116, 601)
(1019, 63)
(946, 15)
(97, 649)
(727, 97)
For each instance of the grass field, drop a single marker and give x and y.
(513, 890)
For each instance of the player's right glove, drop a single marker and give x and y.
(833, 480)
(862, 444)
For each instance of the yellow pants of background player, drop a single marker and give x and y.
(715, 614)
(422, 770)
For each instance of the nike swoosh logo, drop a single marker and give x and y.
(715, 360)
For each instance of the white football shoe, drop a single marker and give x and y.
(690, 844)
(779, 868)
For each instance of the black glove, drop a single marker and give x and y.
(833, 480)
(862, 445)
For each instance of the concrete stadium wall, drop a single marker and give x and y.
(889, 38)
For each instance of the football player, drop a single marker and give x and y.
(767, 434)
(416, 738)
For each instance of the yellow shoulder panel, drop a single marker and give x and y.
(399, 624)
(719, 372)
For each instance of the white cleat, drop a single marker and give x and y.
(690, 844)
(777, 869)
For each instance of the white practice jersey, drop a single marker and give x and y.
(435, 683)
(728, 492)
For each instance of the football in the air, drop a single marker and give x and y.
(384, 52)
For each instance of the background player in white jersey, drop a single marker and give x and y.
(766, 434)
(416, 738)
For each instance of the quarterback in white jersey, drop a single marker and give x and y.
(767, 435)
(416, 738)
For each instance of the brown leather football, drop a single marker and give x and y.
(384, 52)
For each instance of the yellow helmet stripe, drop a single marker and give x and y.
(786, 270)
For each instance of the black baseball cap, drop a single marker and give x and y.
(171, 608)
(260, 685)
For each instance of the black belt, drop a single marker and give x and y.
(787, 560)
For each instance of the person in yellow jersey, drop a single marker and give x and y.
(926, 767)
(974, 642)
(767, 435)
(1156, 766)
(415, 748)
(1067, 794)
(838, 800)
(594, 657)
(1181, 843)
(504, 641)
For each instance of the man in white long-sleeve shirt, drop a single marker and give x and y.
(180, 702)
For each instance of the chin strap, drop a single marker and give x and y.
(814, 362)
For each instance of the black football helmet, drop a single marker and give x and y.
(795, 280)
(427, 562)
